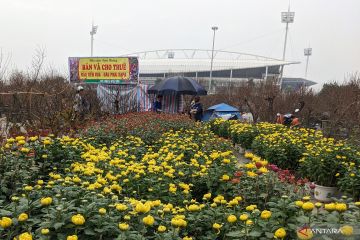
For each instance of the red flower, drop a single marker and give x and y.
(235, 180)
(238, 174)
(258, 164)
(273, 167)
(31, 154)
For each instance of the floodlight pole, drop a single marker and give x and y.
(307, 54)
(286, 17)
(92, 44)
(214, 28)
(285, 42)
(92, 33)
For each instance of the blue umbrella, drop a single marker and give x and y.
(178, 85)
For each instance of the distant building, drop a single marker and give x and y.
(228, 67)
(296, 83)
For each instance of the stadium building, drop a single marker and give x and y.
(228, 67)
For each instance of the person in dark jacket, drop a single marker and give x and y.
(197, 110)
(157, 104)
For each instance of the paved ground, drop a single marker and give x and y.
(239, 153)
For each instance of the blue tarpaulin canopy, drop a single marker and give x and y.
(221, 110)
(223, 107)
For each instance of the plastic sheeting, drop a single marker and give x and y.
(123, 98)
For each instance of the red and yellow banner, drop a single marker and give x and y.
(104, 68)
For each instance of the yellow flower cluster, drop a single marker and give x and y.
(5, 222)
(339, 207)
(46, 201)
(78, 219)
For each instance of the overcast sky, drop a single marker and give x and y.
(330, 27)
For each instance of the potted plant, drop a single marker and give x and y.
(349, 182)
(323, 163)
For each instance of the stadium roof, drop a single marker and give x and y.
(297, 81)
(199, 60)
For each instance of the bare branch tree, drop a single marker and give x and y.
(37, 63)
(4, 64)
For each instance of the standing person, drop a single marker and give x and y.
(295, 120)
(279, 118)
(81, 106)
(192, 103)
(157, 104)
(197, 109)
(288, 118)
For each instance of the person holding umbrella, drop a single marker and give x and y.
(196, 110)
(157, 104)
(180, 85)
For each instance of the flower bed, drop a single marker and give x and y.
(305, 151)
(149, 126)
(184, 185)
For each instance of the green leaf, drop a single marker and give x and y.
(99, 230)
(271, 204)
(263, 195)
(61, 236)
(302, 219)
(5, 213)
(332, 218)
(235, 234)
(324, 237)
(58, 225)
(292, 226)
(89, 232)
(269, 235)
(255, 234)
